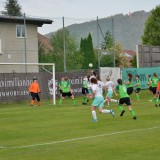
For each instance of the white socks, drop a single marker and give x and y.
(105, 111)
(94, 115)
(114, 100)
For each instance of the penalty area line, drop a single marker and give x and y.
(76, 139)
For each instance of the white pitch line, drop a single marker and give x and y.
(76, 139)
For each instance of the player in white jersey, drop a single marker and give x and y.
(98, 101)
(99, 82)
(109, 87)
(94, 75)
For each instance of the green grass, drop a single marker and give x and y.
(109, 138)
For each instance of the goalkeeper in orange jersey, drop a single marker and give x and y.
(34, 91)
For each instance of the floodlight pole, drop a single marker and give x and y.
(25, 50)
(113, 42)
(64, 46)
(98, 45)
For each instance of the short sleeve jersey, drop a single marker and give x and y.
(109, 85)
(138, 83)
(100, 83)
(130, 84)
(149, 80)
(65, 86)
(158, 86)
(85, 84)
(98, 88)
(155, 81)
(122, 89)
(61, 84)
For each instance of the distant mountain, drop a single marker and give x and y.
(127, 29)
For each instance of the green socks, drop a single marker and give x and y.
(150, 97)
(74, 102)
(60, 101)
(155, 100)
(121, 108)
(132, 113)
(137, 97)
(83, 100)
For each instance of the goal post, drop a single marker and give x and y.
(15, 79)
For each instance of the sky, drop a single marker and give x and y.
(79, 11)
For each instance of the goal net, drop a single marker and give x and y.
(15, 79)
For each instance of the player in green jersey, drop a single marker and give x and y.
(85, 90)
(60, 85)
(124, 99)
(138, 87)
(129, 84)
(66, 91)
(154, 81)
(149, 84)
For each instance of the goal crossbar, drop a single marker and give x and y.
(46, 64)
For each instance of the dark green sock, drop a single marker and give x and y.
(83, 100)
(121, 108)
(137, 97)
(132, 113)
(74, 102)
(150, 97)
(60, 101)
(155, 100)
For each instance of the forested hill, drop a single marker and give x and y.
(127, 29)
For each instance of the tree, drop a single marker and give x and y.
(12, 8)
(58, 43)
(75, 61)
(106, 60)
(108, 41)
(73, 58)
(120, 59)
(151, 35)
(134, 62)
(86, 48)
(112, 48)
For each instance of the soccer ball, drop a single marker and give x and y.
(90, 65)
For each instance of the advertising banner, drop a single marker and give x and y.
(14, 86)
(142, 72)
(114, 74)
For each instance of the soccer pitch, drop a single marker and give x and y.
(67, 133)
